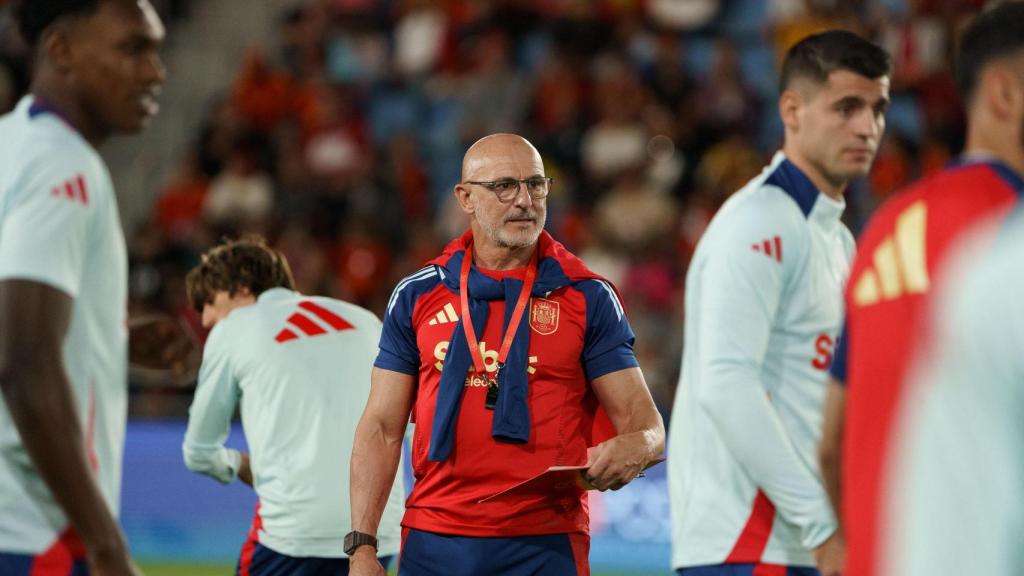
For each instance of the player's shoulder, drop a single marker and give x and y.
(600, 293)
(41, 152)
(780, 196)
(949, 193)
(757, 213)
(44, 139)
(330, 309)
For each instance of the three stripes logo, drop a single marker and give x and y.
(447, 315)
(771, 248)
(899, 263)
(73, 190)
(311, 320)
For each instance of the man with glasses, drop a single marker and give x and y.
(502, 350)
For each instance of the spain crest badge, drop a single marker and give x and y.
(543, 316)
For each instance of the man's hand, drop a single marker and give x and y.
(363, 562)
(617, 462)
(244, 470)
(831, 555)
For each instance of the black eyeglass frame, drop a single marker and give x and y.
(491, 184)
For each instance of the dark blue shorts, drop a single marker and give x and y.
(41, 565)
(259, 560)
(429, 554)
(748, 570)
(66, 557)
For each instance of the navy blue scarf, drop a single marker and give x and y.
(512, 411)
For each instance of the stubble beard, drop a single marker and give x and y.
(511, 241)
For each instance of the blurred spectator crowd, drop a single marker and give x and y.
(343, 143)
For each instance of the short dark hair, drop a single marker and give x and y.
(991, 35)
(818, 55)
(35, 16)
(243, 263)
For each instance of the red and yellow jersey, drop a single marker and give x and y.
(903, 248)
(577, 333)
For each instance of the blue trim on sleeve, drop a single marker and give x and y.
(390, 361)
(608, 338)
(398, 348)
(840, 357)
(616, 359)
(794, 182)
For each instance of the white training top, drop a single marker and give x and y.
(958, 464)
(763, 310)
(59, 226)
(300, 366)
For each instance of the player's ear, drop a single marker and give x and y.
(465, 199)
(1001, 91)
(789, 106)
(55, 46)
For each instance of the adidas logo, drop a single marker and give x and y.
(899, 263)
(447, 315)
(73, 190)
(771, 248)
(304, 321)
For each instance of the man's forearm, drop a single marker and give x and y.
(830, 448)
(40, 402)
(648, 433)
(375, 457)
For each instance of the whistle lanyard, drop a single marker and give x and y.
(513, 324)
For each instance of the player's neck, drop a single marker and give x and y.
(827, 186)
(1001, 145)
(489, 256)
(61, 100)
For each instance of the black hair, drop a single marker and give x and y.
(991, 35)
(35, 16)
(818, 55)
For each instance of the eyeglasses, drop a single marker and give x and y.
(506, 189)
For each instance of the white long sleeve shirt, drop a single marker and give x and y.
(955, 486)
(59, 226)
(300, 368)
(763, 310)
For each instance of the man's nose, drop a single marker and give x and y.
(522, 197)
(867, 125)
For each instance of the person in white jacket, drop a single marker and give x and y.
(954, 491)
(763, 310)
(299, 367)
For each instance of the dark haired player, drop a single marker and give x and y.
(763, 309)
(903, 248)
(298, 367)
(63, 287)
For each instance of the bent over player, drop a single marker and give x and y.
(299, 366)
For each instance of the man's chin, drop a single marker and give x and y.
(520, 240)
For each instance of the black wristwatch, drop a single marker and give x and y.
(355, 539)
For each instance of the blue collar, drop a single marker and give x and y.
(794, 182)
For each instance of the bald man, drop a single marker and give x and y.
(504, 350)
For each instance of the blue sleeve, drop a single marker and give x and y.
(608, 339)
(838, 368)
(398, 349)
